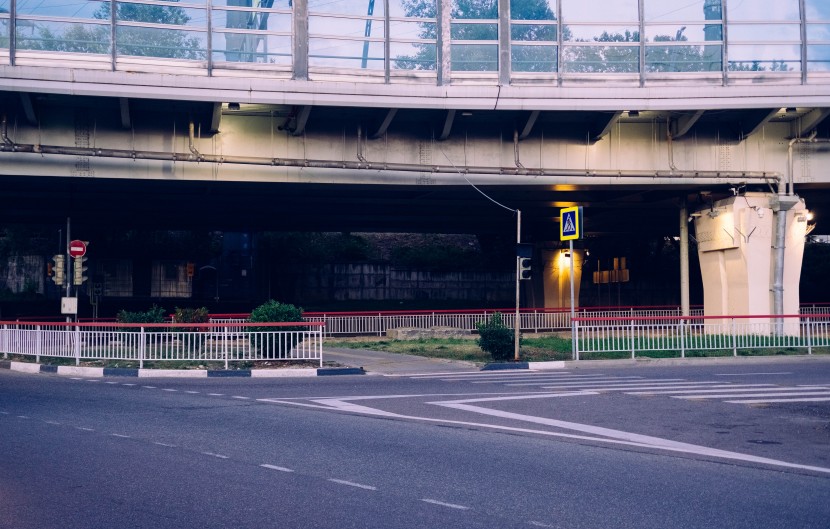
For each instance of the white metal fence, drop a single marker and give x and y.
(677, 336)
(165, 342)
(530, 320)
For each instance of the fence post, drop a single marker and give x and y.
(320, 344)
(809, 337)
(632, 337)
(574, 340)
(38, 343)
(141, 345)
(5, 342)
(734, 339)
(225, 345)
(77, 345)
(682, 340)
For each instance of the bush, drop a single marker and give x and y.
(188, 315)
(495, 338)
(274, 311)
(154, 315)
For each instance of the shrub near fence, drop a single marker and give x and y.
(164, 342)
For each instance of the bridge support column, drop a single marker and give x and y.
(736, 247)
(555, 283)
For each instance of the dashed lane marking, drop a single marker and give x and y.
(149, 387)
(168, 445)
(275, 467)
(169, 389)
(216, 394)
(765, 401)
(445, 504)
(352, 484)
(122, 436)
(219, 456)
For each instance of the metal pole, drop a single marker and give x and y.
(571, 249)
(684, 258)
(518, 261)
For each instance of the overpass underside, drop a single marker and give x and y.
(291, 167)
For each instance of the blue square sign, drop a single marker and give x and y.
(570, 223)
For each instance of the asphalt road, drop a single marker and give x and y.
(582, 448)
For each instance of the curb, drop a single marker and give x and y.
(98, 372)
(534, 366)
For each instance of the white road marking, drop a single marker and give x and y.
(241, 398)
(75, 378)
(220, 456)
(120, 435)
(91, 380)
(477, 374)
(164, 444)
(275, 467)
(216, 394)
(783, 392)
(708, 389)
(85, 429)
(352, 484)
(765, 401)
(4, 413)
(55, 423)
(598, 434)
(624, 385)
(169, 389)
(609, 381)
(750, 374)
(575, 378)
(125, 384)
(192, 392)
(630, 438)
(445, 504)
(110, 382)
(22, 416)
(149, 387)
(540, 524)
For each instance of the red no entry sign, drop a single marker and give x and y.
(77, 248)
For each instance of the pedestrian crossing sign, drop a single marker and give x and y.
(570, 223)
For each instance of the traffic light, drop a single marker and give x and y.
(59, 269)
(79, 269)
(524, 268)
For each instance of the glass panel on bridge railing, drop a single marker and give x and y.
(746, 10)
(73, 37)
(760, 57)
(161, 42)
(62, 8)
(174, 15)
(603, 58)
(527, 58)
(413, 30)
(417, 55)
(818, 58)
(251, 47)
(681, 58)
(347, 7)
(353, 54)
(51, 25)
(475, 57)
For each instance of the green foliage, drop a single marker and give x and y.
(274, 311)
(189, 315)
(497, 339)
(155, 314)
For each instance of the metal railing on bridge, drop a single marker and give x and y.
(207, 342)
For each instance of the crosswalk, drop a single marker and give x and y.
(676, 388)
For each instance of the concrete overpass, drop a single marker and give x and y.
(306, 143)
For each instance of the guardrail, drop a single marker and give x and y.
(690, 336)
(240, 341)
